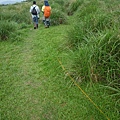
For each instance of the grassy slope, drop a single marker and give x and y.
(34, 87)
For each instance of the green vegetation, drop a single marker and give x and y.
(33, 84)
(95, 38)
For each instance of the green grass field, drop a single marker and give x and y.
(67, 72)
(34, 86)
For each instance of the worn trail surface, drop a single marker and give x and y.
(34, 86)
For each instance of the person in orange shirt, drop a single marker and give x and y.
(46, 9)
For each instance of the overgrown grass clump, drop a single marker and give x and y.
(73, 6)
(12, 19)
(96, 31)
(95, 40)
(58, 15)
(6, 29)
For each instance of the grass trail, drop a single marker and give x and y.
(33, 85)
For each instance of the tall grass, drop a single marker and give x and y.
(92, 26)
(6, 29)
(17, 13)
(95, 41)
(58, 15)
(107, 54)
(73, 6)
(13, 18)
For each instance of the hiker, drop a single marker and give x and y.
(35, 11)
(46, 9)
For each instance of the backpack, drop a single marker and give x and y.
(34, 12)
(47, 11)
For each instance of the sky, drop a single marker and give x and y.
(9, 1)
